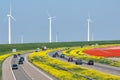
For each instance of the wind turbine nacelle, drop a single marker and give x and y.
(8, 15)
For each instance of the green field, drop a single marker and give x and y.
(5, 48)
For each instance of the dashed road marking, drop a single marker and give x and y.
(11, 70)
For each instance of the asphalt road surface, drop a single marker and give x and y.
(25, 71)
(19, 73)
(97, 66)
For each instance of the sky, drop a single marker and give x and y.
(70, 20)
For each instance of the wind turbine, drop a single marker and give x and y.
(50, 29)
(21, 39)
(92, 37)
(57, 37)
(9, 26)
(89, 20)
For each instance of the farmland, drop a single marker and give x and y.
(106, 52)
(30, 46)
(75, 47)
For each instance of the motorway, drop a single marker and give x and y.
(25, 71)
(97, 66)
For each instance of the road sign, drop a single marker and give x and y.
(13, 50)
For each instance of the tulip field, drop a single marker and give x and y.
(105, 52)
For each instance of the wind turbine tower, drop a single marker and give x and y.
(22, 39)
(92, 37)
(50, 29)
(9, 26)
(57, 37)
(89, 20)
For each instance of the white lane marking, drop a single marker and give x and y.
(23, 72)
(37, 68)
(11, 70)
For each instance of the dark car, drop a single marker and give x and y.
(62, 56)
(53, 55)
(14, 56)
(20, 62)
(22, 58)
(19, 54)
(90, 62)
(79, 61)
(14, 66)
(70, 59)
(56, 53)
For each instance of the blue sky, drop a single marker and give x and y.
(70, 20)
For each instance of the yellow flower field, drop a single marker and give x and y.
(2, 57)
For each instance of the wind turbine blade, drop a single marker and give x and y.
(10, 8)
(53, 17)
(12, 18)
(48, 13)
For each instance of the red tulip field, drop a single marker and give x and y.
(106, 52)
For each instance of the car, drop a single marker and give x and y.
(79, 61)
(62, 56)
(14, 56)
(90, 62)
(56, 53)
(14, 66)
(19, 54)
(53, 55)
(22, 58)
(37, 50)
(70, 59)
(44, 48)
(20, 62)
